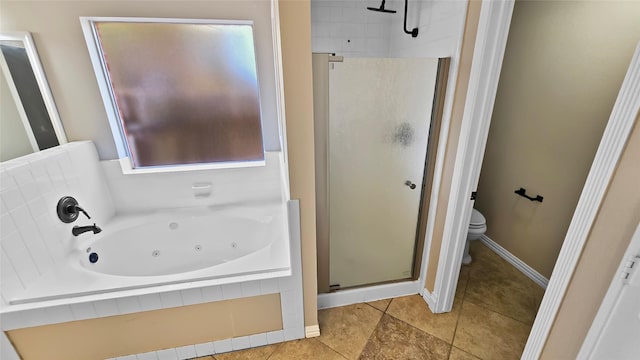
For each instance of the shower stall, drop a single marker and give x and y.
(373, 119)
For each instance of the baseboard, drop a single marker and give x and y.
(429, 298)
(312, 331)
(527, 270)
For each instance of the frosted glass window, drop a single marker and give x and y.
(184, 93)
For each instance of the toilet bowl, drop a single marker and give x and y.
(477, 227)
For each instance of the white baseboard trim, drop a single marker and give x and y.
(430, 299)
(312, 331)
(370, 293)
(527, 270)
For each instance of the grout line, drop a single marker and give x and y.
(382, 311)
(372, 307)
(486, 307)
(483, 306)
(374, 329)
(329, 347)
(466, 352)
(387, 308)
(274, 350)
(464, 295)
(417, 328)
(336, 351)
(455, 331)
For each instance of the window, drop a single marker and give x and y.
(179, 93)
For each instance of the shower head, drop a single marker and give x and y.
(381, 9)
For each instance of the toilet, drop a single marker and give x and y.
(477, 227)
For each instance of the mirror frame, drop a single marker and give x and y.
(43, 85)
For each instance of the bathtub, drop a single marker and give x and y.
(169, 250)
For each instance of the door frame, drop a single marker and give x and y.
(493, 30)
(610, 301)
(403, 287)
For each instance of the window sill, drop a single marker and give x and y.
(125, 165)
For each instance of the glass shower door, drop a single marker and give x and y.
(379, 113)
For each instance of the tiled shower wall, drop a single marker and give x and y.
(347, 28)
(33, 238)
(440, 25)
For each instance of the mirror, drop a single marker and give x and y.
(29, 119)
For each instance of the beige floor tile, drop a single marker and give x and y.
(394, 339)
(415, 311)
(489, 335)
(464, 274)
(346, 329)
(204, 358)
(457, 354)
(498, 286)
(463, 281)
(305, 349)
(259, 353)
(381, 305)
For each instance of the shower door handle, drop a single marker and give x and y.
(410, 184)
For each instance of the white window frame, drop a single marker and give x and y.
(110, 105)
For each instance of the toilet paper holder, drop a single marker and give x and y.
(523, 192)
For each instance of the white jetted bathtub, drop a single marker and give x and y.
(171, 248)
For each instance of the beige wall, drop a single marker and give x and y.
(610, 235)
(295, 28)
(150, 330)
(460, 96)
(563, 67)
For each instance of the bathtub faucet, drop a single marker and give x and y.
(77, 230)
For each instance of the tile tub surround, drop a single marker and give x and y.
(33, 239)
(135, 193)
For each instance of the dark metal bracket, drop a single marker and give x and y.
(414, 32)
(523, 192)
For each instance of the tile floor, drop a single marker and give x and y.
(493, 311)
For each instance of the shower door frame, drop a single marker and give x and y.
(398, 287)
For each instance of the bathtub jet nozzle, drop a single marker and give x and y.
(77, 230)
